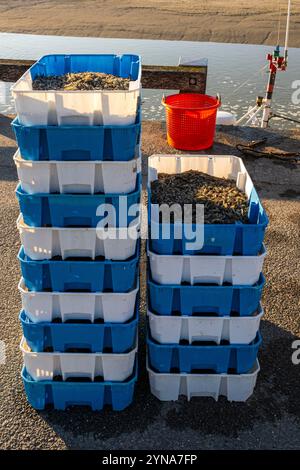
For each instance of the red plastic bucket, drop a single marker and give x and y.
(191, 120)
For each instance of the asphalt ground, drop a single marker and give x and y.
(270, 419)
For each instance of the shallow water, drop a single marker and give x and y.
(234, 70)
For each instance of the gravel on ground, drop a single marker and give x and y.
(270, 419)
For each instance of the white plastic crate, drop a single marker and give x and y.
(82, 108)
(168, 387)
(77, 177)
(45, 366)
(206, 269)
(220, 166)
(117, 244)
(173, 329)
(110, 307)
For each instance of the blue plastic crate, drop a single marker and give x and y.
(219, 239)
(61, 395)
(125, 65)
(77, 275)
(92, 337)
(69, 143)
(167, 358)
(75, 210)
(190, 300)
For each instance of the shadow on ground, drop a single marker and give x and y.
(5, 126)
(277, 393)
(8, 147)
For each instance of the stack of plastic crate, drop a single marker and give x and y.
(204, 307)
(78, 164)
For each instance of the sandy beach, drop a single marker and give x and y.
(237, 21)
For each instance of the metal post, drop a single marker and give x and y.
(268, 99)
(287, 32)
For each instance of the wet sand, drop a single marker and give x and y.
(236, 21)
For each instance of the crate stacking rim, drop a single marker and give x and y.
(191, 120)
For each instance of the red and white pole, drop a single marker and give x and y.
(277, 63)
(269, 93)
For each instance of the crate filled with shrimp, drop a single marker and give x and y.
(79, 89)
